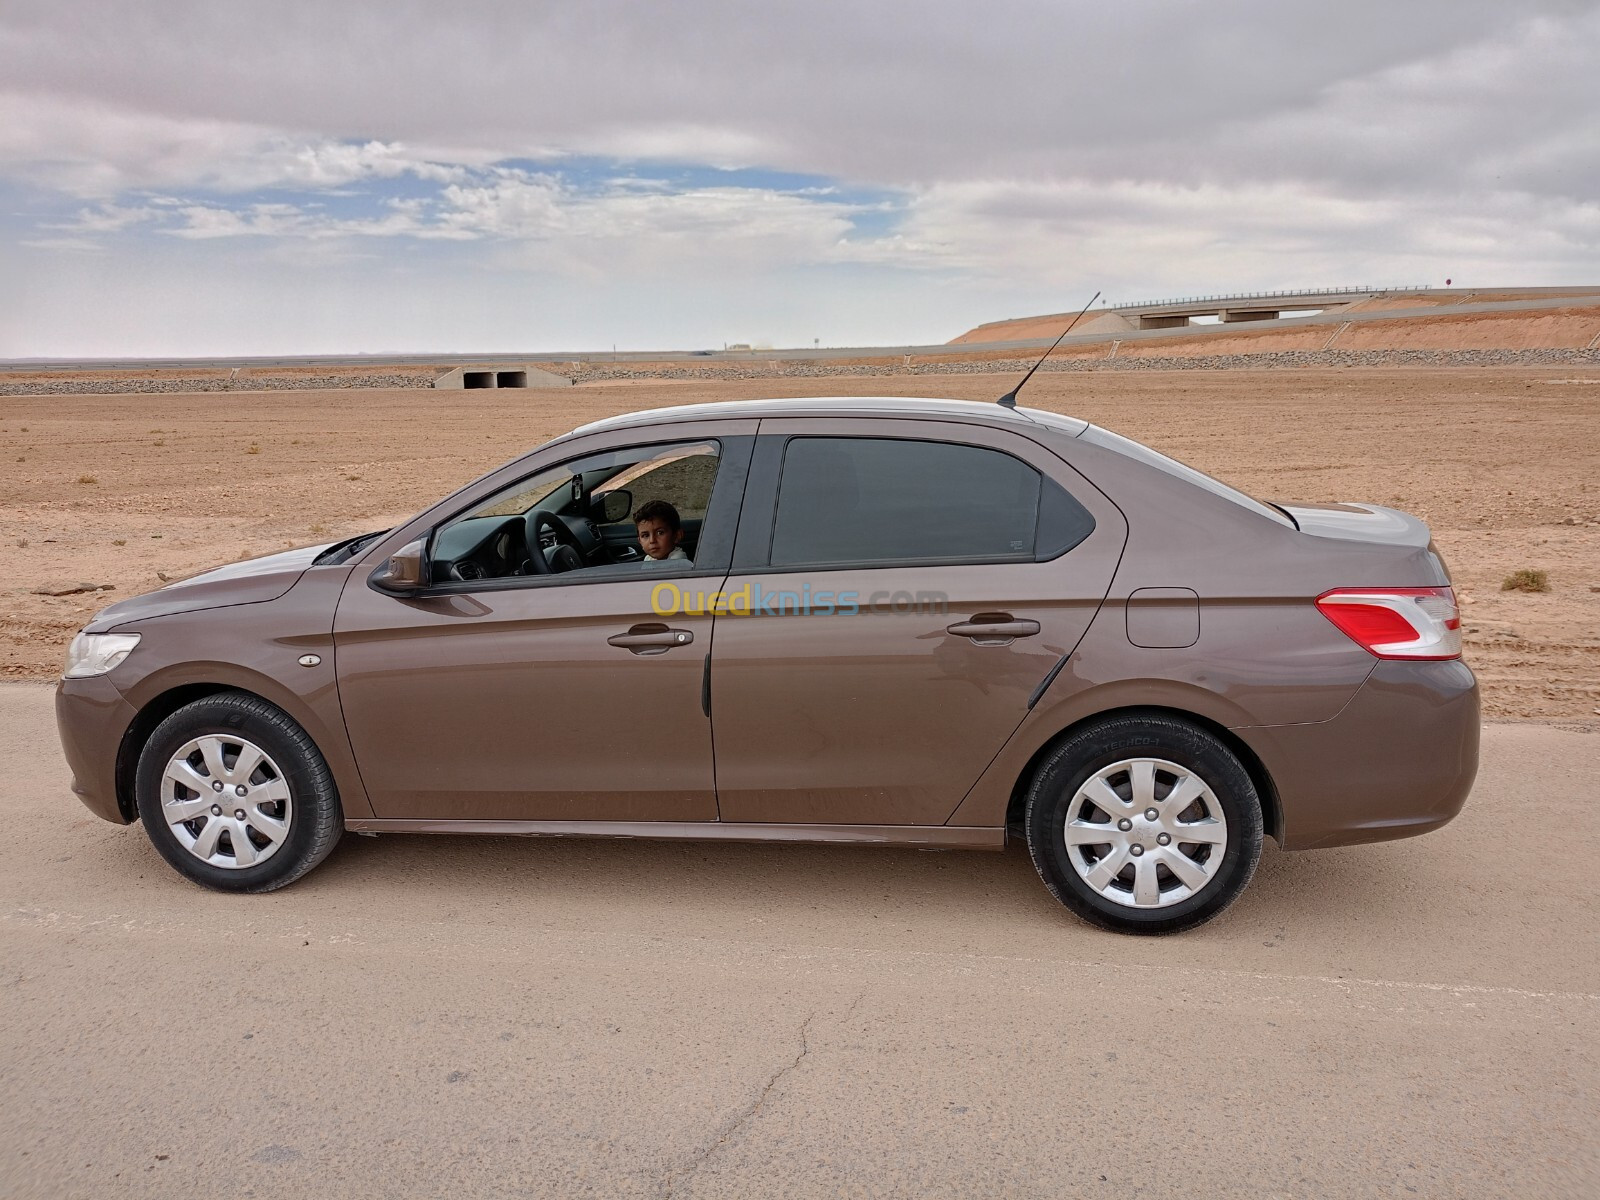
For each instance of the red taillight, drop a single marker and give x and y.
(1397, 622)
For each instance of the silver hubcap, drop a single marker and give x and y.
(226, 801)
(1146, 833)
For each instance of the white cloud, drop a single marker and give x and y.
(69, 245)
(1028, 151)
(555, 226)
(1136, 239)
(109, 218)
(91, 149)
(898, 93)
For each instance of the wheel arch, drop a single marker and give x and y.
(153, 712)
(1271, 810)
(310, 698)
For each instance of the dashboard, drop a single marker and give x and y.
(497, 547)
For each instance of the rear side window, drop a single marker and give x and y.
(876, 501)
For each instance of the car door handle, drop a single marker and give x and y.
(999, 629)
(651, 639)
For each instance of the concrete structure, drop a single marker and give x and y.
(500, 375)
(1252, 306)
(1188, 315)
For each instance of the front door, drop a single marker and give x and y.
(896, 602)
(515, 705)
(506, 694)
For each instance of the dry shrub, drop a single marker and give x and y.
(1527, 579)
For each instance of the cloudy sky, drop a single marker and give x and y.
(228, 177)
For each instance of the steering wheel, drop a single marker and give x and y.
(564, 556)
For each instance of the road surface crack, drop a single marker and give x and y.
(743, 1118)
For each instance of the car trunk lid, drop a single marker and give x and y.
(1414, 560)
(1360, 523)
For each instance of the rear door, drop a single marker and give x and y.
(900, 592)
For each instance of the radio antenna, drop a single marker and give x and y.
(1009, 400)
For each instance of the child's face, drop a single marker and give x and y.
(658, 539)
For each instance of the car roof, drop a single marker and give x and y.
(914, 407)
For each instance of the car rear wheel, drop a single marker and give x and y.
(1144, 824)
(236, 796)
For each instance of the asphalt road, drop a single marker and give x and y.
(499, 1017)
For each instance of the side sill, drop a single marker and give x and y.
(951, 837)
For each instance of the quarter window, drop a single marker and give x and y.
(875, 501)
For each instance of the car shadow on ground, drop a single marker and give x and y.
(920, 900)
(685, 883)
(776, 882)
(1361, 912)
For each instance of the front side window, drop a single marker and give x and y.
(632, 509)
(878, 501)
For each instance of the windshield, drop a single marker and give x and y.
(537, 490)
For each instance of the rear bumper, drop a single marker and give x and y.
(1399, 759)
(92, 717)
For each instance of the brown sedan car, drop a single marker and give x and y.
(908, 622)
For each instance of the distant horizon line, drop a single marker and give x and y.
(1534, 297)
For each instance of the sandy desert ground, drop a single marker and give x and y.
(1504, 463)
(494, 1016)
(512, 1017)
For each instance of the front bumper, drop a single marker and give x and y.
(92, 717)
(1399, 759)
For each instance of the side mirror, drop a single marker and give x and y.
(406, 570)
(615, 506)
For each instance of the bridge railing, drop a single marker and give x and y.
(1296, 294)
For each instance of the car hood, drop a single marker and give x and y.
(250, 582)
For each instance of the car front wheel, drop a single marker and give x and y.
(236, 796)
(1144, 824)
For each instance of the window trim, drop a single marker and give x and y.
(758, 523)
(734, 451)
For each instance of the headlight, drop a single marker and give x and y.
(96, 653)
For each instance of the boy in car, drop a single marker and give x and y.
(660, 531)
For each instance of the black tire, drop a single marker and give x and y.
(1056, 784)
(317, 819)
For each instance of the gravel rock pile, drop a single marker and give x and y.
(1209, 362)
(88, 385)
